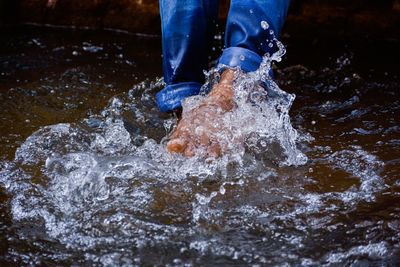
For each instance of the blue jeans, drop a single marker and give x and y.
(188, 28)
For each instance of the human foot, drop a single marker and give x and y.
(199, 130)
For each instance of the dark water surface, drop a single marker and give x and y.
(83, 180)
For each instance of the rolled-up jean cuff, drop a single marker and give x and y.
(171, 96)
(241, 57)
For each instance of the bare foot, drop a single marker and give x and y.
(199, 128)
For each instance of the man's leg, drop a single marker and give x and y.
(247, 39)
(187, 30)
(248, 33)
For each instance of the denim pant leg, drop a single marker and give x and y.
(187, 28)
(247, 37)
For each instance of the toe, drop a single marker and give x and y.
(177, 145)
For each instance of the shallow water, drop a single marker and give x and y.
(85, 181)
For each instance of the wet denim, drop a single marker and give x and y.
(188, 28)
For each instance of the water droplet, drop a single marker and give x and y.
(264, 25)
(218, 37)
(222, 190)
(242, 58)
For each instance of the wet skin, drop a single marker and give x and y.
(197, 131)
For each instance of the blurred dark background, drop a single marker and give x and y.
(352, 16)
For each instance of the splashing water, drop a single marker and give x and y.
(260, 124)
(108, 193)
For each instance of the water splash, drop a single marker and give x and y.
(261, 123)
(106, 191)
